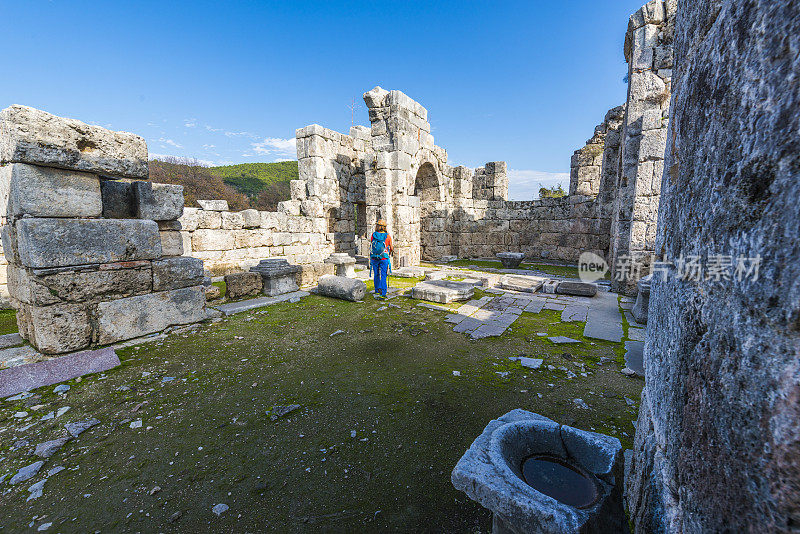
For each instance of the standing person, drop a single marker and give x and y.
(379, 257)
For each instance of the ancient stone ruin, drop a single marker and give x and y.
(93, 251)
(702, 160)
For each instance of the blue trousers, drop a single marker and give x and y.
(380, 268)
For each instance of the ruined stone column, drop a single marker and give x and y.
(717, 445)
(93, 249)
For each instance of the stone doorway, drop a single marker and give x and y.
(428, 195)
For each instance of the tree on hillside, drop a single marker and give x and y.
(197, 180)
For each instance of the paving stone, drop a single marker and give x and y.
(555, 306)
(535, 306)
(10, 340)
(467, 325)
(634, 357)
(636, 334)
(574, 313)
(247, 305)
(79, 427)
(528, 284)
(49, 448)
(603, 330)
(56, 370)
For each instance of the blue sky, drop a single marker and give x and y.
(229, 82)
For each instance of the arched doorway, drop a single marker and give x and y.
(427, 191)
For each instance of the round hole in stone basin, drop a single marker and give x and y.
(558, 479)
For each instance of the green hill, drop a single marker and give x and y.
(246, 185)
(265, 184)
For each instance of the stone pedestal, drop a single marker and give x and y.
(278, 276)
(242, 284)
(510, 260)
(639, 310)
(344, 264)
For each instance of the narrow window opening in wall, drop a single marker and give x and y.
(331, 219)
(360, 214)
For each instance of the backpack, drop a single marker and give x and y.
(379, 246)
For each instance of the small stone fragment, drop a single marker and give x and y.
(27, 472)
(61, 388)
(77, 428)
(280, 411)
(49, 448)
(220, 509)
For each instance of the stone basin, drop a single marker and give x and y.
(510, 260)
(491, 473)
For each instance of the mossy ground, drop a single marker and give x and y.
(206, 437)
(8, 322)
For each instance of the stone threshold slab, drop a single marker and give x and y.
(34, 375)
(238, 307)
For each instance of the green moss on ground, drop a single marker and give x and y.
(206, 437)
(8, 322)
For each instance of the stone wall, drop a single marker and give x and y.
(717, 445)
(230, 242)
(648, 51)
(92, 248)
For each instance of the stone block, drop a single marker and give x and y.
(72, 286)
(250, 218)
(203, 240)
(158, 202)
(210, 220)
(64, 242)
(213, 205)
(578, 289)
(58, 328)
(242, 284)
(232, 220)
(297, 188)
(133, 317)
(510, 260)
(310, 273)
(341, 287)
(171, 243)
(443, 291)
(344, 264)
(45, 192)
(118, 199)
(190, 219)
(33, 136)
(177, 273)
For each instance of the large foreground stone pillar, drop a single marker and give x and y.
(718, 438)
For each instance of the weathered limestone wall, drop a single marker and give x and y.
(718, 439)
(648, 51)
(230, 242)
(93, 250)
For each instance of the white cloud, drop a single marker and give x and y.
(278, 160)
(182, 159)
(524, 184)
(209, 147)
(190, 123)
(276, 146)
(240, 134)
(210, 129)
(169, 142)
